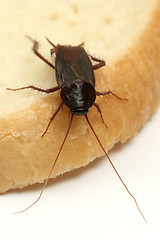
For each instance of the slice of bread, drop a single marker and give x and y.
(123, 33)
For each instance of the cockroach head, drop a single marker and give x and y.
(79, 96)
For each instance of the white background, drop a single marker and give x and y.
(91, 203)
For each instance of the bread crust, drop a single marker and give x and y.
(26, 157)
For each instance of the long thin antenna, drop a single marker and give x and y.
(46, 181)
(115, 168)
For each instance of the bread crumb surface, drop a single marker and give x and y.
(92, 22)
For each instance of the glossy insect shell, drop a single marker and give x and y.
(75, 77)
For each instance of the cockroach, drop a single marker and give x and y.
(76, 81)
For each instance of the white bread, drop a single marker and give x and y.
(124, 33)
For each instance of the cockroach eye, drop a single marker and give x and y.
(79, 97)
(78, 92)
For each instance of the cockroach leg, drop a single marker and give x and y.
(52, 118)
(110, 93)
(52, 51)
(100, 63)
(69, 70)
(50, 42)
(50, 90)
(35, 50)
(81, 44)
(100, 112)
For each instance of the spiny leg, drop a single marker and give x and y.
(100, 63)
(52, 49)
(50, 90)
(100, 112)
(81, 44)
(110, 93)
(35, 50)
(52, 118)
(50, 42)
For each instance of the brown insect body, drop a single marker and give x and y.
(76, 81)
(75, 77)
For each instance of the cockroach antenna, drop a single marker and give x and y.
(76, 82)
